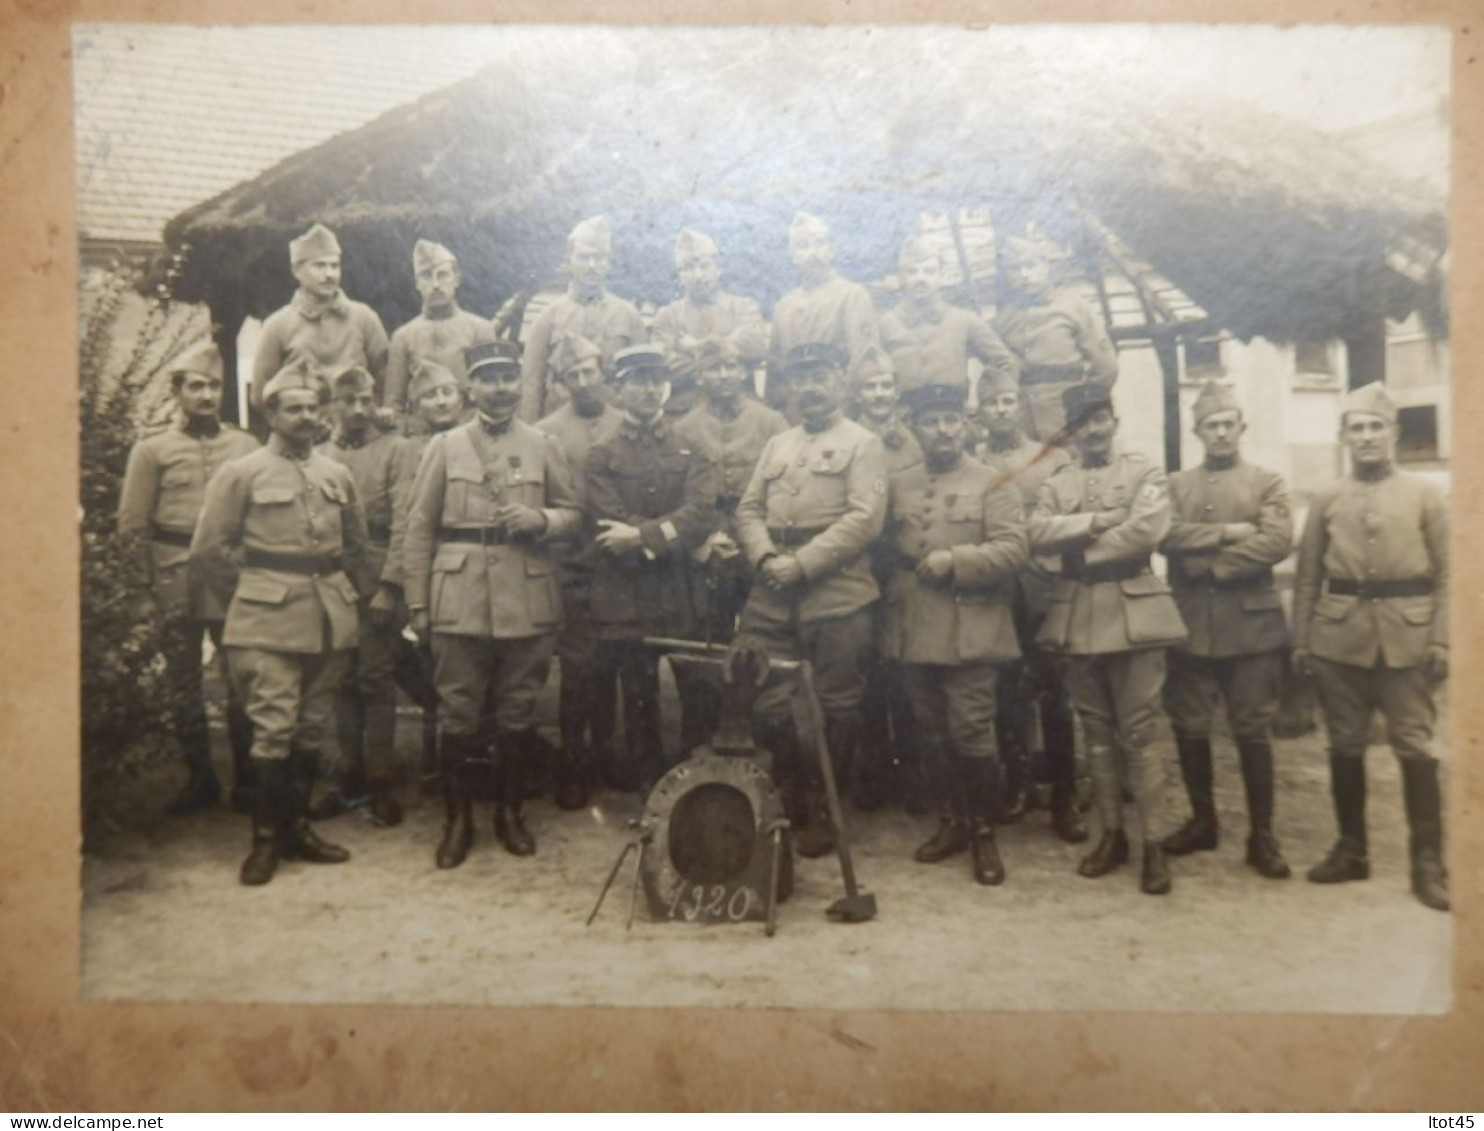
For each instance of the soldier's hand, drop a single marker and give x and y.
(1237, 531)
(724, 546)
(782, 571)
(517, 518)
(618, 537)
(936, 568)
(383, 607)
(1107, 520)
(1301, 662)
(1435, 663)
(420, 623)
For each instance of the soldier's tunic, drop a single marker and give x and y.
(382, 468)
(494, 600)
(1227, 599)
(1112, 616)
(1371, 596)
(334, 336)
(951, 637)
(932, 344)
(281, 539)
(161, 498)
(820, 496)
(608, 321)
(440, 336)
(836, 312)
(1060, 342)
(723, 316)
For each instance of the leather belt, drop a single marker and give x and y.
(1072, 566)
(1049, 374)
(727, 504)
(478, 535)
(1183, 580)
(170, 537)
(312, 564)
(1406, 587)
(793, 536)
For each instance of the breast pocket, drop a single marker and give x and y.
(525, 485)
(467, 498)
(275, 518)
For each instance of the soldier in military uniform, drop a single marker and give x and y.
(1057, 338)
(1231, 526)
(959, 541)
(1113, 618)
(731, 428)
(1035, 684)
(482, 580)
(652, 495)
(888, 756)
(705, 311)
(931, 341)
(587, 701)
(1370, 621)
(281, 536)
(164, 486)
(441, 333)
(813, 507)
(320, 324)
(588, 309)
(825, 308)
(366, 708)
(684, 364)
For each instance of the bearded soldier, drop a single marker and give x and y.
(159, 503)
(813, 507)
(481, 579)
(587, 700)
(441, 333)
(1370, 620)
(959, 542)
(705, 311)
(588, 309)
(1057, 338)
(320, 324)
(1231, 527)
(281, 536)
(1113, 618)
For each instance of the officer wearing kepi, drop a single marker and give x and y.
(652, 494)
(815, 504)
(164, 486)
(1231, 526)
(280, 537)
(1370, 620)
(482, 580)
(959, 538)
(1113, 617)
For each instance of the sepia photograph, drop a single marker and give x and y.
(912, 517)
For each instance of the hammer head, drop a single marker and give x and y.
(857, 908)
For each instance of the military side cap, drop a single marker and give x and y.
(571, 350)
(805, 225)
(317, 243)
(996, 383)
(873, 362)
(300, 374)
(594, 233)
(204, 359)
(505, 354)
(635, 360)
(1082, 400)
(936, 396)
(810, 354)
(427, 376)
(714, 350)
(352, 378)
(1372, 400)
(918, 249)
(691, 244)
(1215, 396)
(426, 255)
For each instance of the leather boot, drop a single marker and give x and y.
(1347, 860)
(1424, 800)
(1155, 879)
(981, 782)
(514, 751)
(268, 800)
(385, 809)
(1110, 851)
(572, 791)
(352, 792)
(951, 838)
(1199, 834)
(299, 841)
(1065, 818)
(1263, 854)
(244, 772)
(458, 821)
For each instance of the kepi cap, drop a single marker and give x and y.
(810, 354)
(504, 354)
(1082, 400)
(936, 396)
(634, 360)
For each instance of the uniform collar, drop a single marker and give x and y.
(491, 428)
(914, 315)
(1221, 465)
(893, 434)
(345, 443)
(192, 427)
(634, 429)
(1096, 464)
(311, 308)
(442, 314)
(734, 410)
(1003, 448)
(280, 447)
(586, 300)
(830, 421)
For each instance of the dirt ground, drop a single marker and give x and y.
(164, 918)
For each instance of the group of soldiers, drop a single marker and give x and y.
(958, 581)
